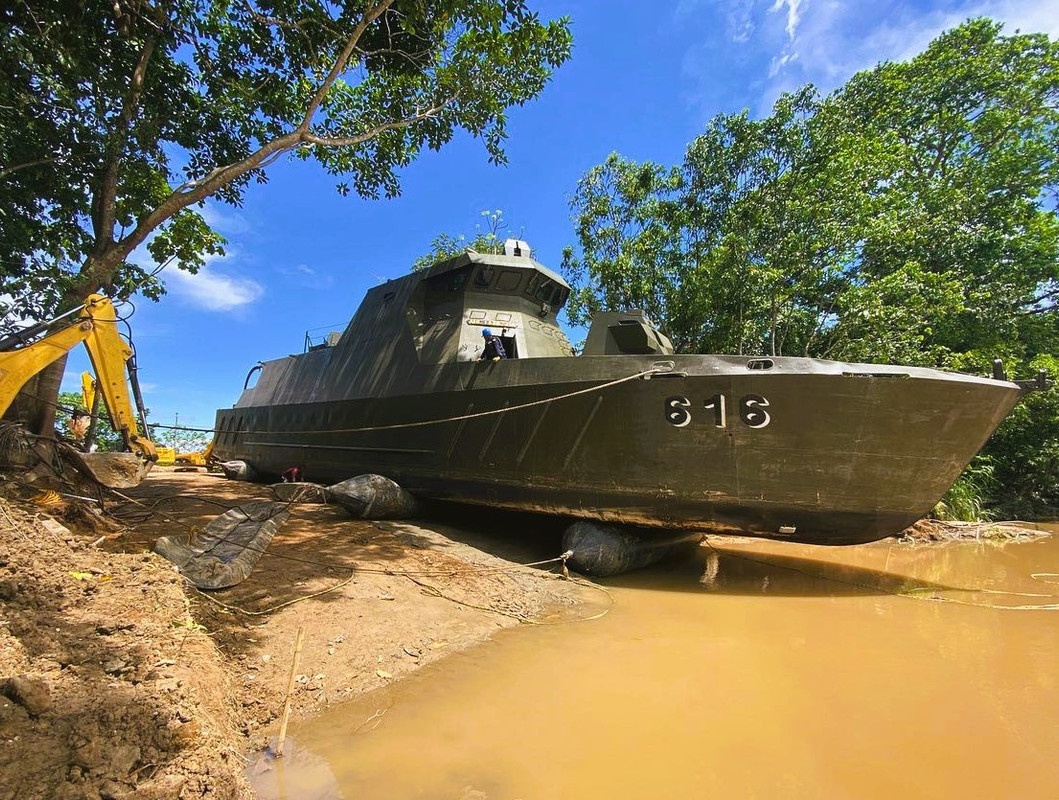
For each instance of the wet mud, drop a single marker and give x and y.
(751, 669)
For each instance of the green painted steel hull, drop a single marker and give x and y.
(787, 448)
(805, 450)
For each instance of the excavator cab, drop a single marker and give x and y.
(27, 352)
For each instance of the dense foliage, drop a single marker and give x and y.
(486, 239)
(909, 217)
(117, 119)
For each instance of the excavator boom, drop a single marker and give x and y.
(96, 327)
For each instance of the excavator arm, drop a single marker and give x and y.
(96, 327)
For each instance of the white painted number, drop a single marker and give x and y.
(677, 413)
(751, 411)
(720, 417)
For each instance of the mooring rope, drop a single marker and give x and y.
(408, 574)
(278, 606)
(492, 412)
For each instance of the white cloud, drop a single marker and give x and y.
(825, 42)
(778, 63)
(793, 15)
(1028, 16)
(307, 277)
(211, 289)
(738, 15)
(839, 39)
(225, 220)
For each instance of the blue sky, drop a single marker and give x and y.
(641, 82)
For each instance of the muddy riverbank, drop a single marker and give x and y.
(127, 683)
(111, 688)
(750, 669)
(119, 681)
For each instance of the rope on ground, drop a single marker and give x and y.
(150, 509)
(408, 574)
(276, 607)
(464, 570)
(565, 576)
(435, 592)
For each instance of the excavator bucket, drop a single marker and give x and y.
(113, 470)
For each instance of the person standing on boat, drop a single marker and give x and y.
(494, 348)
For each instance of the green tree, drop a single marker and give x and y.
(631, 250)
(960, 246)
(958, 193)
(766, 199)
(118, 118)
(1024, 452)
(446, 245)
(909, 217)
(183, 440)
(728, 251)
(104, 438)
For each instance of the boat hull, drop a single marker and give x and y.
(794, 449)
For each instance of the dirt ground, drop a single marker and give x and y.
(119, 680)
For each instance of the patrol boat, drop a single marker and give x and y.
(627, 433)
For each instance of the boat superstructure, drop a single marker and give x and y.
(626, 432)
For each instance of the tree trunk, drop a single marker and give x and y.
(49, 380)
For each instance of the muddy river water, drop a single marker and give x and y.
(750, 670)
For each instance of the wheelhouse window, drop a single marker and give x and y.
(547, 291)
(483, 278)
(449, 282)
(509, 281)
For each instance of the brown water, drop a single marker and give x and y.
(757, 670)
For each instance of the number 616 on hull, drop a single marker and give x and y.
(752, 410)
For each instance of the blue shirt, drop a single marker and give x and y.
(493, 348)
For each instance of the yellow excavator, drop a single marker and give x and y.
(167, 456)
(28, 351)
(201, 458)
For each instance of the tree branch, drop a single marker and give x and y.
(106, 195)
(1043, 310)
(9, 170)
(370, 15)
(281, 23)
(408, 55)
(1036, 308)
(350, 141)
(194, 191)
